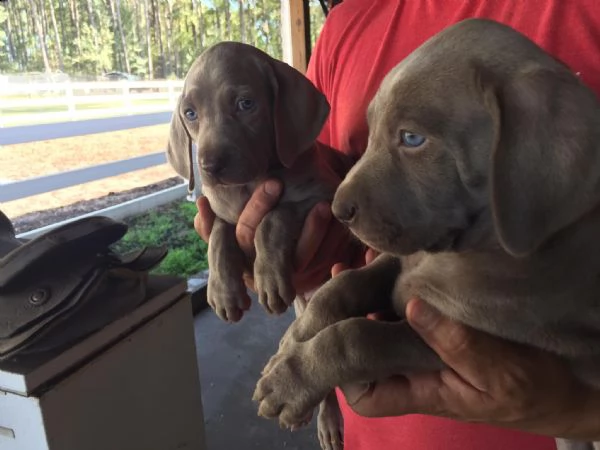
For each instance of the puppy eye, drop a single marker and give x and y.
(245, 104)
(190, 114)
(411, 139)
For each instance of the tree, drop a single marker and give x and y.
(242, 23)
(148, 39)
(35, 16)
(154, 38)
(58, 46)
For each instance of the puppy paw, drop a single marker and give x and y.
(285, 393)
(273, 285)
(228, 300)
(330, 424)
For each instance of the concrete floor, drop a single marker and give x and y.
(230, 358)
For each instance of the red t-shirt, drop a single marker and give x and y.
(360, 42)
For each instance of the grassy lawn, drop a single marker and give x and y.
(173, 225)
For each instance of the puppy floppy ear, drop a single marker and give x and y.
(546, 166)
(179, 148)
(299, 112)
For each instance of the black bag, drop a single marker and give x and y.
(67, 283)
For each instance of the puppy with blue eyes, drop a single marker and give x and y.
(480, 186)
(253, 118)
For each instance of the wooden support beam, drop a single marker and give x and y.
(293, 33)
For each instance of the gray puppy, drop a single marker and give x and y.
(481, 186)
(252, 118)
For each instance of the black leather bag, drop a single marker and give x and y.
(67, 283)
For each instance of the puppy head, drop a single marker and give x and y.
(478, 137)
(246, 112)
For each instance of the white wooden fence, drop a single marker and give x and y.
(76, 101)
(15, 190)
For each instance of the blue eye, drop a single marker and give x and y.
(190, 114)
(411, 139)
(245, 104)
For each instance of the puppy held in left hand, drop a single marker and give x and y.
(253, 118)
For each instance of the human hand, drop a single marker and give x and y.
(320, 243)
(488, 380)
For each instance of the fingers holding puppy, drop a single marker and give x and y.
(263, 200)
(204, 219)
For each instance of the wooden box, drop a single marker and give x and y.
(133, 385)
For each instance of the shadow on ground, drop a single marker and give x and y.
(230, 358)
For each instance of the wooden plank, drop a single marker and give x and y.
(293, 34)
(43, 132)
(40, 185)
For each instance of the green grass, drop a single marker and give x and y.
(173, 225)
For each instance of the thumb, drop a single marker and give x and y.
(396, 396)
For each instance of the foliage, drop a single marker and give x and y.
(171, 225)
(149, 38)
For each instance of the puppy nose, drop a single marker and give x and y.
(344, 211)
(212, 165)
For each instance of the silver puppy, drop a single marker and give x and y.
(252, 118)
(481, 186)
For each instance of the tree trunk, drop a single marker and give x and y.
(61, 20)
(242, 24)
(22, 44)
(137, 31)
(169, 27)
(192, 23)
(123, 41)
(218, 22)
(227, 21)
(251, 20)
(61, 63)
(158, 35)
(201, 27)
(40, 33)
(11, 46)
(148, 40)
(92, 16)
(75, 20)
(117, 60)
(42, 16)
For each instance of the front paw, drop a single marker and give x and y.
(273, 285)
(228, 300)
(287, 393)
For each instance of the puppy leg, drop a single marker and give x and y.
(330, 423)
(226, 294)
(352, 351)
(353, 293)
(274, 263)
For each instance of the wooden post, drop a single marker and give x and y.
(293, 34)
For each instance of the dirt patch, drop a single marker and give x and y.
(38, 219)
(23, 161)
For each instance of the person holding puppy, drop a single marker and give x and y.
(495, 396)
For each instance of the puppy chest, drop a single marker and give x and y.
(227, 202)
